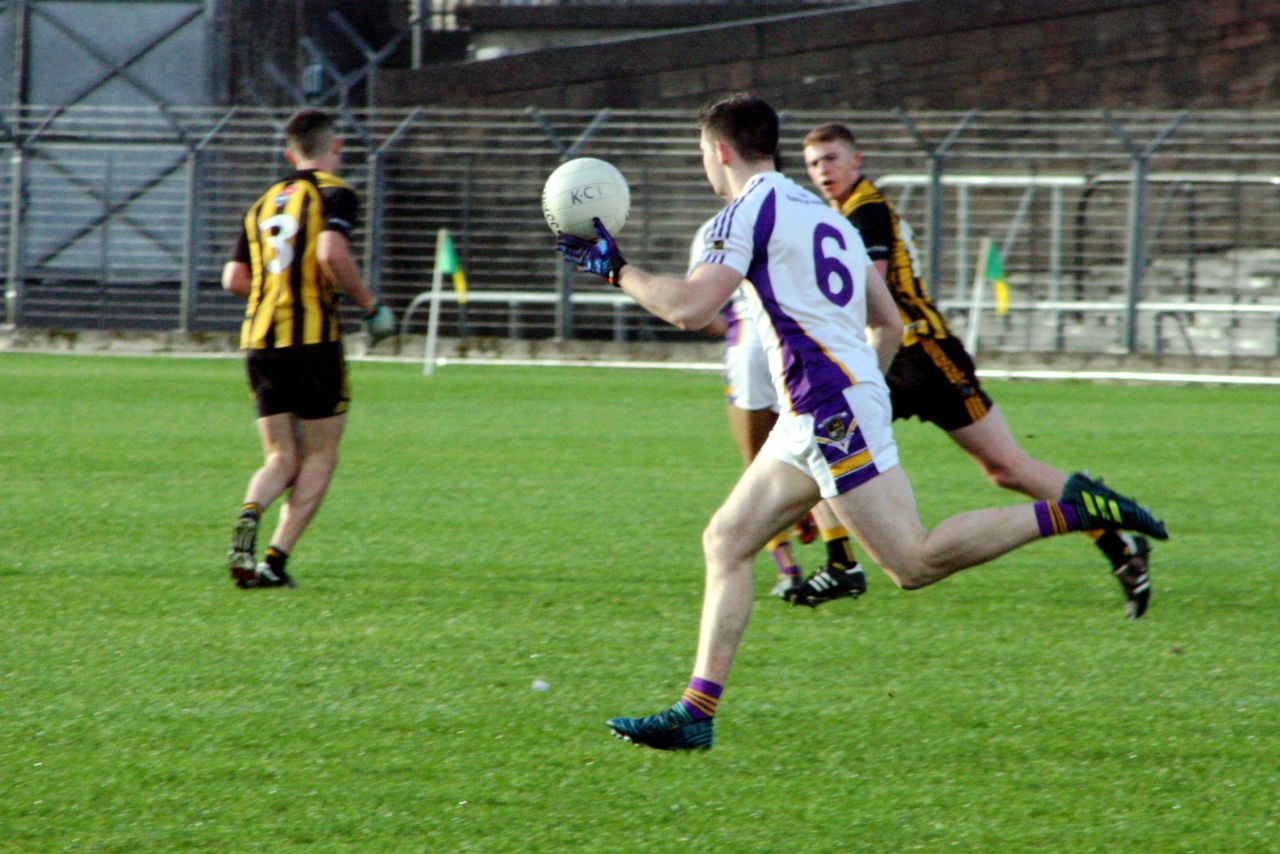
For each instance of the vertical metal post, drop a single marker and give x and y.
(1135, 250)
(187, 286)
(1056, 224)
(15, 272)
(1193, 249)
(21, 33)
(14, 269)
(104, 231)
(564, 305)
(375, 186)
(1055, 244)
(962, 233)
(190, 285)
(415, 24)
(464, 250)
(1135, 245)
(937, 156)
(933, 265)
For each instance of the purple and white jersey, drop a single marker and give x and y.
(805, 268)
(739, 328)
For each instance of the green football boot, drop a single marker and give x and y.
(1100, 507)
(670, 729)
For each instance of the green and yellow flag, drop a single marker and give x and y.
(447, 262)
(995, 275)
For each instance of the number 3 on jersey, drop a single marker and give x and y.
(281, 245)
(829, 267)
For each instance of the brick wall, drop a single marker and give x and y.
(922, 54)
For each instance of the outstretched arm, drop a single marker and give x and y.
(690, 303)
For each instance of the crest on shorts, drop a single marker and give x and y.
(834, 427)
(717, 245)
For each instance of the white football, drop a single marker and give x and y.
(582, 189)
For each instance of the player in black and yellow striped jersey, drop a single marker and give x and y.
(291, 302)
(933, 376)
(292, 258)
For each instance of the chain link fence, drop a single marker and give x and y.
(1149, 232)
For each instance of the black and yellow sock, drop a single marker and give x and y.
(251, 509)
(1112, 544)
(275, 559)
(839, 550)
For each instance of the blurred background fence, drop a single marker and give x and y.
(1125, 232)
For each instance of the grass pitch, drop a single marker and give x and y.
(489, 527)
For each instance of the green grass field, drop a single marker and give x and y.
(491, 526)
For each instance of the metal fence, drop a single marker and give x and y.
(1133, 232)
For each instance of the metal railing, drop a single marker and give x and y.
(122, 218)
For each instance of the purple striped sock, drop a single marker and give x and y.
(701, 698)
(1070, 516)
(1056, 517)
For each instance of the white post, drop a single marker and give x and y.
(433, 316)
(975, 297)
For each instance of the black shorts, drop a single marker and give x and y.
(309, 381)
(934, 380)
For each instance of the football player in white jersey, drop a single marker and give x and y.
(752, 405)
(831, 329)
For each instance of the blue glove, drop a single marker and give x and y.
(600, 256)
(380, 323)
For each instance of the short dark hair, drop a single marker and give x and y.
(744, 121)
(830, 132)
(309, 132)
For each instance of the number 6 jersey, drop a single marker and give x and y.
(291, 302)
(806, 270)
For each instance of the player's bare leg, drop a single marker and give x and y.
(279, 436)
(318, 458)
(749, 429)
(301, 456)
(993, 447)
(280, 451)
(882, 515)
(770, 496)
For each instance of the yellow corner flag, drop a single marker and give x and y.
(995, 274)
(447, 262)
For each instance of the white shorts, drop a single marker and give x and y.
(842, 444)
(747, 383)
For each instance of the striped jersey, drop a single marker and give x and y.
(889, 238)
(805, 271)
(291, 302)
